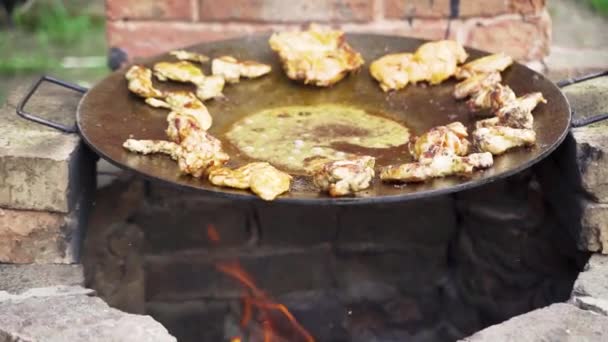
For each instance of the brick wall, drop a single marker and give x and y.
(141, 28)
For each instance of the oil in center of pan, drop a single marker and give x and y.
(291, 137)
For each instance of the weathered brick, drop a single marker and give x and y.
(177, 228)
(285, 225)
(39, 237)
(193, 275)
(524, 38)
(287, 11)
(423, 222)
(17, 279)
(594, 228)
(134, 37)
(150, 9)
(425, 28)
(42, 168)
(201, 320)
(399, 9)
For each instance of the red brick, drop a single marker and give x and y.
(135, 37)
(286, 11)
(523, 38)
(417, 28)
(399, 9)
(149, 9)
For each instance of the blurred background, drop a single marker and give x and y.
(66, 38)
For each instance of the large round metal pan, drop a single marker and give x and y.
(109, 114)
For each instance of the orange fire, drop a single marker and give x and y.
(255, 298)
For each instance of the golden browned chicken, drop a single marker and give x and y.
(184, 55)
(476, 84)
(499, 139)
(493, 63)
(232, 69)
(391, 70)
(433, 62)
(439, 166)
(183, 104)
(210, 87)
(207, 87)
(317, 56)
(518, 113)
(450, 139)
(262, 178)
(441, 58)
(197, 152)
(182, 71)
(344, 177)
(140, 82)
(493, 97)
(153, 146)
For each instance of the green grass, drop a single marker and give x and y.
(46, 33)
(600, 6)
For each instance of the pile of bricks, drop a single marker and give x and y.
(142, 28)
(46, 184)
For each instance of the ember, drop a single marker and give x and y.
(254, 298)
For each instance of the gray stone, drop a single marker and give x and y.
(41, 168)
(588, 99)
(590, 290)
(74, 318)
(16, 279)
(593, 236)
(558, 322)
(28, 236)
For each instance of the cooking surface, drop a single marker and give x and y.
(110, 114)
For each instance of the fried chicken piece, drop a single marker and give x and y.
(262, 178)
(344, 177)
(186, 110)
(153, 146)
(140, 82)
(515, 112)
(518, 113)
(433, 62)
(441, 58)
(210, 87)
(320, 57)
(268, 183)
(493, 63)
(232, 70)
(184, 55)
(207, 87)
(493, 97)
(499, 139)
(181, 71)
(475, 84)
(440, 166)
(197, 153)
(391, 70)
(442, 140)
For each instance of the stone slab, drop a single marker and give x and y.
(590, 290)
(16, 279)
(74, 318)
(42, 168)
(558, 322)
(28, 236)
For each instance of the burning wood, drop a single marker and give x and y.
(257, 301)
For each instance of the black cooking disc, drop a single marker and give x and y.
(109, 114)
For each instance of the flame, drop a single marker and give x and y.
(255, 298)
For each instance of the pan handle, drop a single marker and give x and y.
(592, 119)
(32, 117)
